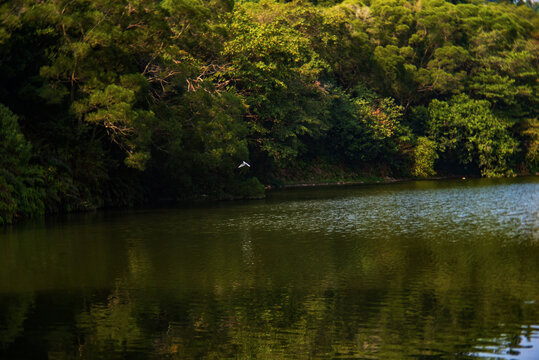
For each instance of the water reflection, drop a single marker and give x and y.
(419, 270)
(525, 347)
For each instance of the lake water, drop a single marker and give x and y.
(416, 270)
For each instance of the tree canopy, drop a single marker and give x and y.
(117, 103)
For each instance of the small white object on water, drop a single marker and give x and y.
(243, 164)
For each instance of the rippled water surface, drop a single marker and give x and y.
(418, 270)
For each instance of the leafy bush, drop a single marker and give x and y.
(531, 145)
(468, 129)
(21, 191)
(424, 157)
(365, 127)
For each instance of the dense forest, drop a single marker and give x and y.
(117, 103)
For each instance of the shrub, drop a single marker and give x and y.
(424, 157)
(21, 190)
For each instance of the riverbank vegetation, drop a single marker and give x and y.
(118, 103)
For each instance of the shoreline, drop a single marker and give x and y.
(268, 188)
(386, 180)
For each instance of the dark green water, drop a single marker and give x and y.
(420, 270)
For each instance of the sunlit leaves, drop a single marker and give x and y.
(446, 72)
(183, 89)
(271, 65)
(424, 157)
(8, 21)
(365, 127)
(468, 129)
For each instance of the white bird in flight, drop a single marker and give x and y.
(243, 164)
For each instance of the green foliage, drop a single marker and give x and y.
(21, 192)
(113, 108)
(15, 150)
(8, 206)
(424, 157)
(123, 101)
(531, 145)
(215, 143)
(468, 130)
(273, 67)
(446, 72)
(365, 128)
